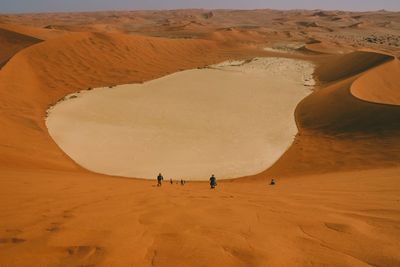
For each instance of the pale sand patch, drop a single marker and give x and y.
(231, 119)
(285, 47)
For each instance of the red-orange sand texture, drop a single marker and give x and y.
(337, 198)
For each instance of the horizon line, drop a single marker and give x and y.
(195, 8)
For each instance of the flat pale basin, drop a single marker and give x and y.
(232, 119)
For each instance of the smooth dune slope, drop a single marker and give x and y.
(58, 218)
(380, 85)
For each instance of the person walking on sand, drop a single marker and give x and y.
(213, 182)
(182, 182)
(159, 179)
(170, 181)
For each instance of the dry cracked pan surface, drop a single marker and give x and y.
(231, 119)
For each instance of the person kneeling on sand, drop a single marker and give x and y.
(159, 179)
(272, 182)
(213, 182)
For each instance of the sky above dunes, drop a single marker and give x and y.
(11, 6)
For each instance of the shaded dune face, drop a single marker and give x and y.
(334, 110)
(11, 43)
(232, 119)
(347, 132)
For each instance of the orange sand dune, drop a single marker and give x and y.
(339, 208)
(11, 43)
(345, 132)
(344, 66)
(380, 85)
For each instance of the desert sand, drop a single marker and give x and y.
(189, 124)
(336, 201)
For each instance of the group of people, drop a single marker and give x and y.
(160, 178)
(213, 181)
(183, 182)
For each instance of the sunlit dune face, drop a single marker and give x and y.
(232, 119)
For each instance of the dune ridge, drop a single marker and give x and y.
(344, 66)
(34, 32)
(12, 42)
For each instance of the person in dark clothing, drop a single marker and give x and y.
(213, 182)
(272, 182)
(170, 181)
(182, 182)
(159, 179)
